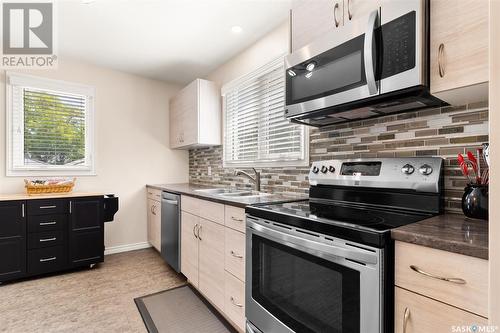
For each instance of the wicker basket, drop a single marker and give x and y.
(34, 189)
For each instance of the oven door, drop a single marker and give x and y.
(337, 68)
(300, 281)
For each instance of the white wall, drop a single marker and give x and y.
(131, 143)
(267, 49)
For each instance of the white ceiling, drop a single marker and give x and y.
(170, 40)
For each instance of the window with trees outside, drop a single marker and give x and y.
(256, 132)
(49, 127)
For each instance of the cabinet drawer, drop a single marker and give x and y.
(234, 300)
(208, 210)
(235, 253)
(48, 206)
(419, 269)
(153, 193)
(45, 239)
(46, 259)
(235, 218)
(424, 315)
(43, 223)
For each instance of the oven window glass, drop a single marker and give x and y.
(305, 292)
(334, 71)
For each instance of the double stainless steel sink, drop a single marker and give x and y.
(232, 193)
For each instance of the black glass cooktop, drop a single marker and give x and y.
(367, 225)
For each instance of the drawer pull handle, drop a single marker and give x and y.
(48, 259)
(195, 228)
(335, 9)
(442, 278)
(48, 223)
(198, 231)
(236, 303)
(441, 68)
(236, 219)
(48, 239)
(48, 207)
(405, 319)
(236, 255)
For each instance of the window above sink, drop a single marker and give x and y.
(256, 133)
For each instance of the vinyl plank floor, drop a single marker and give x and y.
(92, 300)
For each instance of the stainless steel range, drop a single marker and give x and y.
(326, 264)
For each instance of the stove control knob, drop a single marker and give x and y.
(315, 169)
(425, 169)
(331, 168)
(408, 169)
(324, 169)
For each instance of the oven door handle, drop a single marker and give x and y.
(368, 53)
(302, 243)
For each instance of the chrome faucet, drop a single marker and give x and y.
(255, 179)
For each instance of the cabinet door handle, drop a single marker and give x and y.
(48, 259)
(71, 207)
(199, 231)
(236, 303)
(437, 277)
(194, 230)
(48, 239)
(236, 219)
(406, 316)
(48, 207)
(47, 223)
(441, 60)
(349, 14)
(236, 255)
(335, 9)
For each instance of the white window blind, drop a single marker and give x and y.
(256, 132)
(49, 127)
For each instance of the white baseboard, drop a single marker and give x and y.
(126, 247)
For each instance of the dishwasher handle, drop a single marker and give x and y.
(171, 202)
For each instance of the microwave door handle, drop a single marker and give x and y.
(368, 53)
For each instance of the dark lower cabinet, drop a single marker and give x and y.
(41, 236)
(12, 240)
(86, 239)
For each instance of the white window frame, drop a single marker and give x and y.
(304, 161)
(14, 79)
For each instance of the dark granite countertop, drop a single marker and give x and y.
(449, 232)
(190, 189)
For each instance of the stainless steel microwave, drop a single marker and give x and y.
(374, 66)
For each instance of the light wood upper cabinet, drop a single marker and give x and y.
(211, 262)
(359, 9)
(195, 116)
(311, 19)
(189, 247)
(459, 50)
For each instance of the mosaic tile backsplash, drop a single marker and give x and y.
(443, 132)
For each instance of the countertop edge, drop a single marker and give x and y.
(444, 245)
(24, 196)
(212, 198)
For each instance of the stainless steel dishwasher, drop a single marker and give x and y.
(171, 229)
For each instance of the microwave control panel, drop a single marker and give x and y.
(398, 39)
